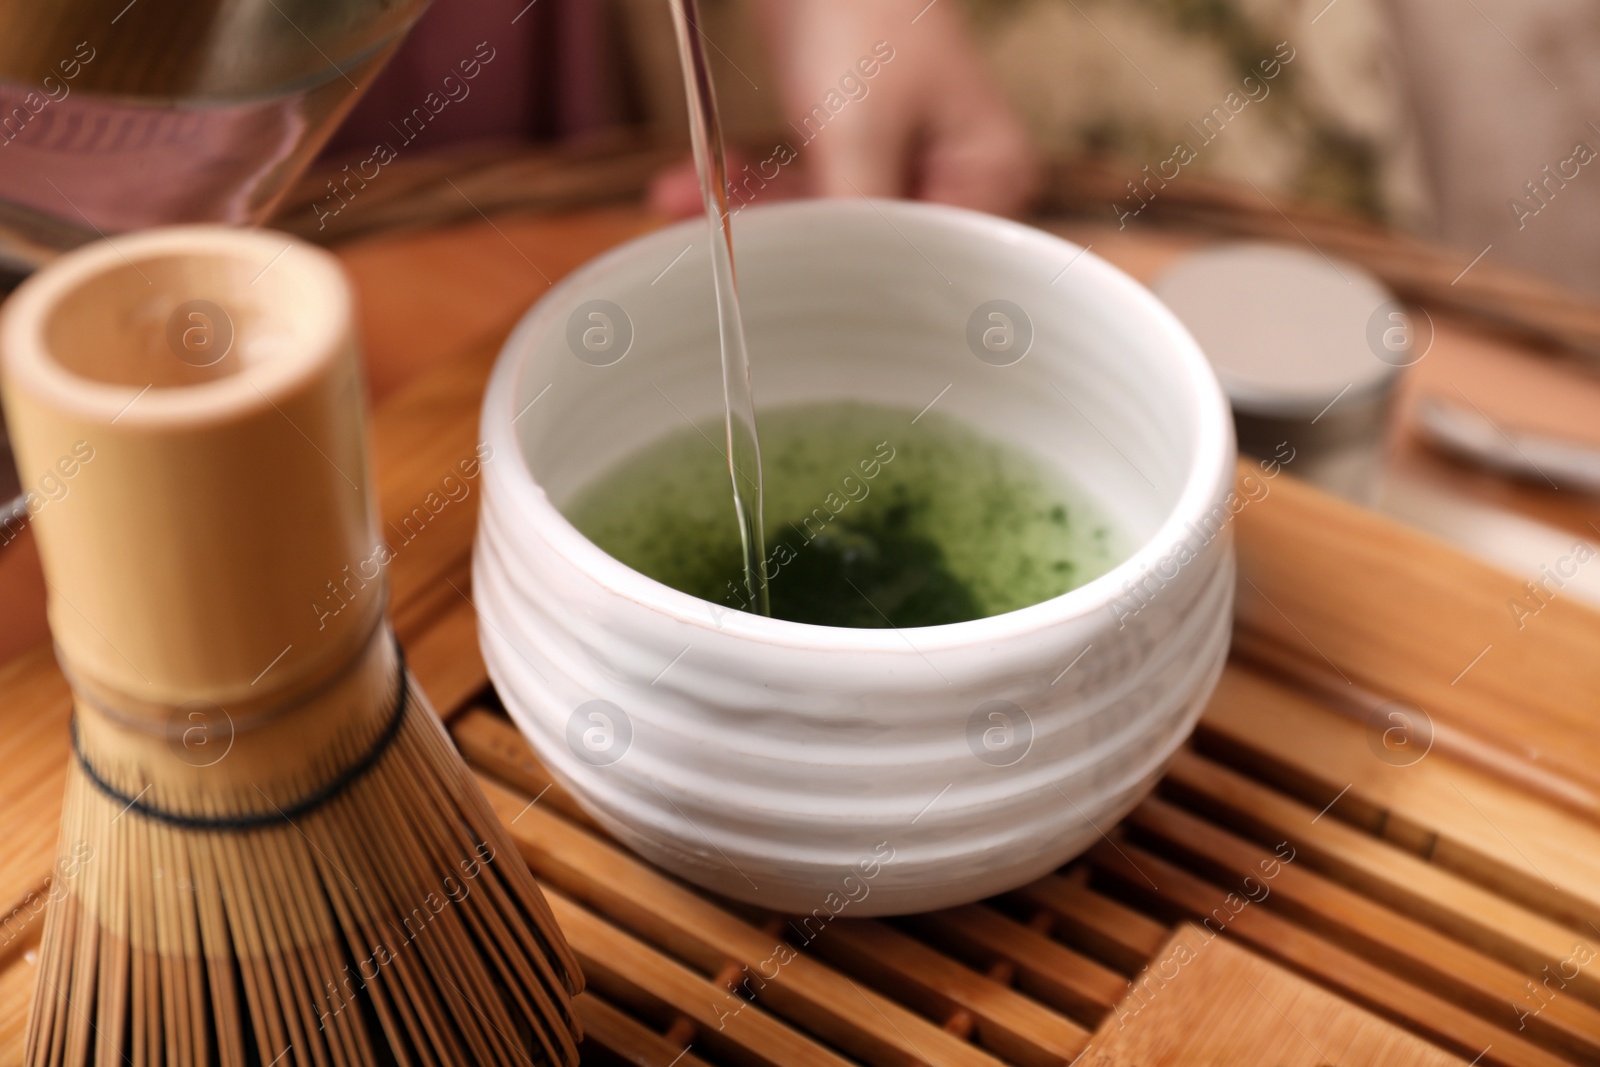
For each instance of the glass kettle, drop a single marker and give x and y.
(122, 114)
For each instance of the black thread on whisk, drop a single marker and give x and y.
(303, 806)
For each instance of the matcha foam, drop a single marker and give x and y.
(872, 519)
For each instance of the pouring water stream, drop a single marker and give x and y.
(743, 445)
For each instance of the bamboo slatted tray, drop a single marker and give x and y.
(1445, 910)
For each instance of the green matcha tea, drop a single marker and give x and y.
(871, 519)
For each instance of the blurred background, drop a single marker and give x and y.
(1429, 115)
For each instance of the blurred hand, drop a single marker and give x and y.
(929, 121)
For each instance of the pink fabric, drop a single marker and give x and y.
(584, 90)
(545, 80)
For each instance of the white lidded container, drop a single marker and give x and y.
(1308, 349)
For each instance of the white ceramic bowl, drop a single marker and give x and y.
(803, 767)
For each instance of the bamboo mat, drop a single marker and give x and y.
(1288, 897)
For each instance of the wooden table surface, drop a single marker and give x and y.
(1420, 921)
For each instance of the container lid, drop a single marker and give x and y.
(1286, 328)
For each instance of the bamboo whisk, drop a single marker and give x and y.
(270, 851)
